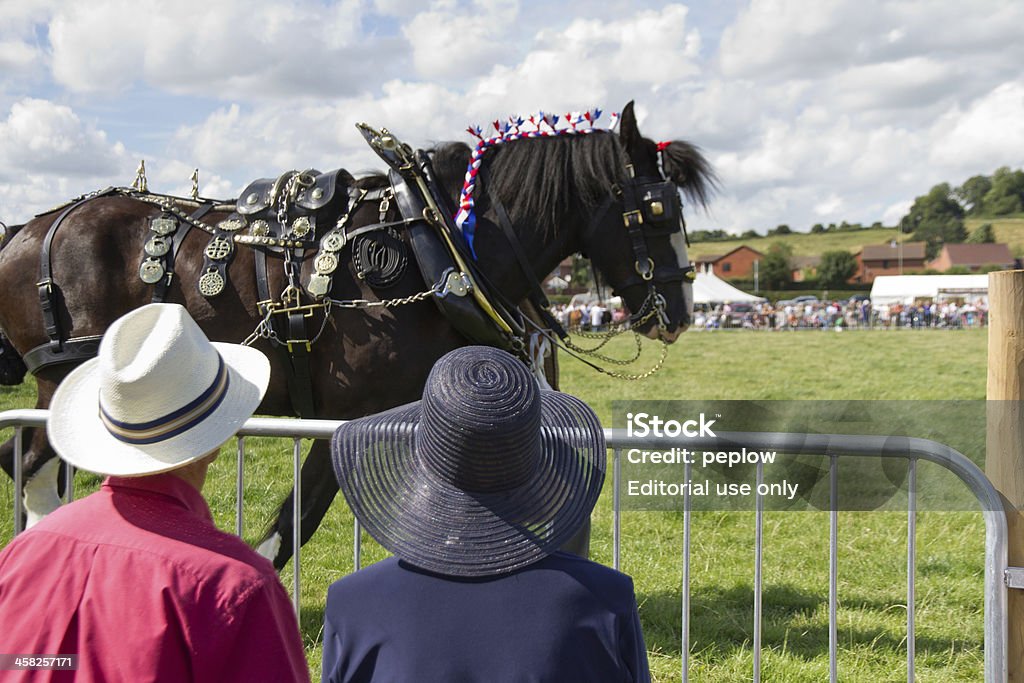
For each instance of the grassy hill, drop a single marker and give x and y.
(1008, 229)
(803, 244)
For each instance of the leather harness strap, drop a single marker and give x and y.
(296, 355)
(634, 220)
(536, 296)
(47, 288)
(161, 288)
(75, 350)
(300, 377)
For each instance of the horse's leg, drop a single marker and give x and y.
(43, 483)
(318, 490)
(42, 490)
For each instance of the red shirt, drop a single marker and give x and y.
(137, 581)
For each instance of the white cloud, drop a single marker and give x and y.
(912, 82)
(778, 39)
(48, 154)
(893, 213)
(231, 47)
(41, 137)
(452, 42)
(592, 62)
(785, 38)
(21, 52)
(16, 56)
(990, 133)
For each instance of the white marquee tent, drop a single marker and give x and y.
(906, 289)
(708, 288)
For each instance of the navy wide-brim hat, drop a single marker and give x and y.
(485, 475)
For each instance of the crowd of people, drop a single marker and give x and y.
(593, 316)
(855, 313)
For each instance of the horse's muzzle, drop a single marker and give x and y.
(665, 335)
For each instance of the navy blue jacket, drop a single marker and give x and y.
(562, 619)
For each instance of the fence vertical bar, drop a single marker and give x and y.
(833, 567)
(687, 515)
(239, 485)
(357, 545)
(19, 504)
(296, 522)
(69, 482)
(758, 576)
(616, 508)
(911, 565)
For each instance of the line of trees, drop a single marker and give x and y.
(782, 229)
(938, 217)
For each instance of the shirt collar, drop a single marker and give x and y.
(165, 484)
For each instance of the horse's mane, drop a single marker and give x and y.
(372, 181)
(11, 231)
(548, 177)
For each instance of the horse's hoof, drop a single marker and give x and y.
(270, 547)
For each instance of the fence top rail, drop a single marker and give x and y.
(831, 444)
(791, 443)
(24, 417)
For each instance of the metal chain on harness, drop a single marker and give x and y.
(653, 306)
(296, 183)
(265, 330)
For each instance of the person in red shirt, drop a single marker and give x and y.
(135, 580)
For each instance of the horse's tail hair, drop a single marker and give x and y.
(687, 167)
(12, 367)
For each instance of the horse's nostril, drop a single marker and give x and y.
(669, 336)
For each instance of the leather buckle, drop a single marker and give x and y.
(633, 214)
(305, 342)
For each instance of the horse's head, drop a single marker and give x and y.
(597, 193)
(646, 222)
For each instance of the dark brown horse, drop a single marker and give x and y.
(562, 194)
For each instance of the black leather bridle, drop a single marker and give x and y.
(650, 208)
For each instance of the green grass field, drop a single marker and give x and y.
(855, 365)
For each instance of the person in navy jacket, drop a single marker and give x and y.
(474, 488)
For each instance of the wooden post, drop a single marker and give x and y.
(1004, 458)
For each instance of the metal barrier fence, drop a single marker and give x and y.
(998, 576)
(837, 447)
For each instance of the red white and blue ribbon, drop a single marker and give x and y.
(540, 125)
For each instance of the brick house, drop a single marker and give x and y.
(804, 266)
(888, 259)
(973, 257)
(737, 264)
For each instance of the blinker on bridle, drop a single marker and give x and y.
(650, 208)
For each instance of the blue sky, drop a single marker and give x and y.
(812, 111)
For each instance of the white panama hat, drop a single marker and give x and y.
(159, 396)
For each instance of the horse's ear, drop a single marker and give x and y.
(628, 130)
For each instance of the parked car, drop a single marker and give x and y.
(805, 299)
(741, 313)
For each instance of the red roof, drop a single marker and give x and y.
(979, 254)
(889, 252)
